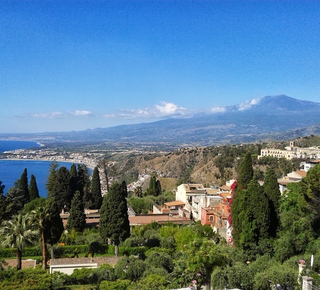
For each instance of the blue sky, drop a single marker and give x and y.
(76, 65)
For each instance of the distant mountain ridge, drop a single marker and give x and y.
(269, 117)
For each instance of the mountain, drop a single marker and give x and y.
(270, 117)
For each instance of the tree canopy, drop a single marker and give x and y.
(114, 221)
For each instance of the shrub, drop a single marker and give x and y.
(12, 252)
(26, 279)
(115, 285)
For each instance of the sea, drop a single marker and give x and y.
(11, 170)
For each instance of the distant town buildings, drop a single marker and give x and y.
(292, 152)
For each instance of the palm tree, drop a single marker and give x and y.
(18, 232)
(39, 218)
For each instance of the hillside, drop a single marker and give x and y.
(268, 118)
(211, 165)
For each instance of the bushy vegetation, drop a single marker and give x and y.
(271, 232)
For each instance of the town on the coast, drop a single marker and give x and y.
(242, 213)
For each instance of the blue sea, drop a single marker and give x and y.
(11, 170)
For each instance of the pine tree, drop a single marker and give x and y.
(96, 196)
(77, 217)
(33, 188)
(271, 189)
(114, 221)
(23, 186)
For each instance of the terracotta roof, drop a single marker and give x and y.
(225, 187)
(148, 219)
(173, 203)
(301, 173)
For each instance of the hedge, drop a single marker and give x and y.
(27, 252)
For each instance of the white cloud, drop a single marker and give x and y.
(82, 113)
(166, 109)
(52, 115)
(218, 109)
(56, 114)
(248, 104)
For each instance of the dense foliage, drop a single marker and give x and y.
(114, 221)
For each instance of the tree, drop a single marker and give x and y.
(114, 221)
(271, 189)
(53, 225)
(23, 186)
(33, 188)
(83, 185)
(73, 178)
(77, 217)
(15, 201)
(245, 171)
(38, 219)
(296, 220)
(3, 203)
(16, 233)
(255, 225)
(104, 164)
(60, 187)
(52, 178)
(154, 185)
(96, 196)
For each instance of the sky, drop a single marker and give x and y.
(77, 65)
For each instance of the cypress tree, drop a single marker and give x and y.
(254, 219)
(23, 186)
(33, 188)
(51, 178)
(245, 171)
(77, 217)
(84, 184)
(114, 221)
(3, 203)
(272, 191)
(73, 178)
(96, 196)
(53, 224)
(61, 188)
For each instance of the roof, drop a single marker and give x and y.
(173, 203)
(76, 261)
(301, 173)
(159, 218)
(225, 187)
(29, 263)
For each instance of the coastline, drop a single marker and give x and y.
(90, 166)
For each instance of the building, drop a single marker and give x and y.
(68, 265)
(292, 152)
(196, 197)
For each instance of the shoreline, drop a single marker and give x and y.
(45, 160)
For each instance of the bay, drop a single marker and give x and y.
(11, 170)
(6, 145)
